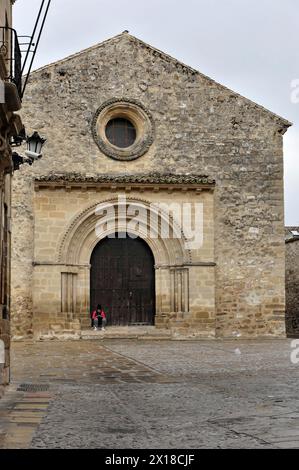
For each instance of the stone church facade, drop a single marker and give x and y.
(132, 132)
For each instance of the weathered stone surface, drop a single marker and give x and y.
(10, 126)
(292, 282)
(201, 128)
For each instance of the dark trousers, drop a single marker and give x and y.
(100, 321)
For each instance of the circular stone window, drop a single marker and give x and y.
(121, 132)
(123, 129)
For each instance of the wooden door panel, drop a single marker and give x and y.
(123, 280)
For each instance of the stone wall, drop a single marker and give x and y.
(5, 12)
(63, 214)
(292, 283)
(4, 366)
(5, 198)
(201, 128)
(9, 125)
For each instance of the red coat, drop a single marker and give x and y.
(94, 314)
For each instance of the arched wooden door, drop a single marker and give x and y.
(123, 280)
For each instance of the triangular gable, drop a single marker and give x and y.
(186, 68)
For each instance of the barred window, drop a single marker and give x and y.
(121, 132)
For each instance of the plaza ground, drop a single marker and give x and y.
(117, 394)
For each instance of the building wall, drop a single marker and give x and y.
(8, 127)
(292, 284)
(6, 12)
(201, 128)
(5, 239)
(56, 256)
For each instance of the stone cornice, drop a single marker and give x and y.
(152, 180)
(205, 264)
(290, 236)
(291, 240)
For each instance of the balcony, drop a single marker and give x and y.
(11, 53)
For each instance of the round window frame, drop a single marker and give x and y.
(137, 114)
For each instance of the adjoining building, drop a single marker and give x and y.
(141, 144)
(12, 133)
(10, 126)
(292, 281)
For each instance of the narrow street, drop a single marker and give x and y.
(151, 394)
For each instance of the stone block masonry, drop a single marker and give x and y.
(292, 282)
(235, 285)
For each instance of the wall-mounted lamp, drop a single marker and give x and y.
(35, 144)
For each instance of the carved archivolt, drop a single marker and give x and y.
(82, 235)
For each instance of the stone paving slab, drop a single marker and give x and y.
(153, 394)
(20, 414)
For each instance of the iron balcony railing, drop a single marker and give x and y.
(11, 52)
(10, 49)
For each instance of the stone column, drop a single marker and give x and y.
(83, 296)
(164, 296)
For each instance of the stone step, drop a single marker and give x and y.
(131, 332)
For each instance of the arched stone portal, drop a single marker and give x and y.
(183, 297)
(170, 256)
(122, 280)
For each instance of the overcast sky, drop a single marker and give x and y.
(251, 46)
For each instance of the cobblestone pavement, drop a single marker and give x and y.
(152, 394)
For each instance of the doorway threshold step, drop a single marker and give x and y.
(127, 332)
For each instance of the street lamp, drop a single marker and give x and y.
(35, 144)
